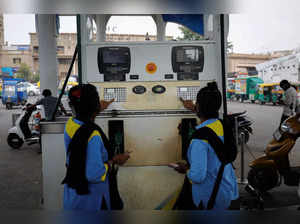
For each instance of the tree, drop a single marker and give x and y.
(189, 35)
(229, 48)
(35, 77)
(24, 72)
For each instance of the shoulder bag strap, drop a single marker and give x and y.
(207, 134)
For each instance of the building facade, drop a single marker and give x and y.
(245, 63)
(66, 43)
(15, 55)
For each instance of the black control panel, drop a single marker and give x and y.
(134, 77)
(188, 61)
(187, 76)
(114, 62)
(139, 89)
(169, 76)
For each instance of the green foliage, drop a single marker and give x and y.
(229, 47)
(25, 72)
(19, 75)
(189, 35)
(35, 77)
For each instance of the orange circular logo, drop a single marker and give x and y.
(151, 68)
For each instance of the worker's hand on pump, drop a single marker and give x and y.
(188, 104)
(104, 104)
(180, 167)
(121, 159)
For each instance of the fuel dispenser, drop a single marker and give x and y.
(146, 80)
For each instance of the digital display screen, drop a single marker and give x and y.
(114, 62)
(187, 59)
(187, 55)
(112, 56)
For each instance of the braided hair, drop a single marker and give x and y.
(209, 101)
(84, 101)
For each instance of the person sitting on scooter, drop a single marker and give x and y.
(204, 164)
(49, 104)
(289, 100)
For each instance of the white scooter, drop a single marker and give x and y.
(21, 132)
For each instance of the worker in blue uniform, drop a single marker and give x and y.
(86, 185)
(203, 162)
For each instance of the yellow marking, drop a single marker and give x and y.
(95, 133)
(72, 127)
(217, 127)
(104, 175)
(170, 204)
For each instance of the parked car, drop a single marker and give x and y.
(32, 90)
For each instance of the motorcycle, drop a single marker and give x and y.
(21, 132)
(268, 171)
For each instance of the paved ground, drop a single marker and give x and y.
(20, 170)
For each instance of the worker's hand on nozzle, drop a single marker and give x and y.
(188, 104)
(120, 159)
(104, 104)
(182, 167)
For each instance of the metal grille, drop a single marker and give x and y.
(119, 94)
(188, 92)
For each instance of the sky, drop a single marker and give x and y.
(258, 32)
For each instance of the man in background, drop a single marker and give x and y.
(49, 103)
(289, 100)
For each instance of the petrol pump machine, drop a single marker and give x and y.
(146, 80)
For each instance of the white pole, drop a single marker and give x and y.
(46, 30)
(160, 27)
(101, 22)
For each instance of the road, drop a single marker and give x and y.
(20, 170)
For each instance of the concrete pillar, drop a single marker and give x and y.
(101, 21)
(161, 27)
(215, 34)
(46, 30)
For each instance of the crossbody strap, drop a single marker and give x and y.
(214, 193)
(208, 134)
